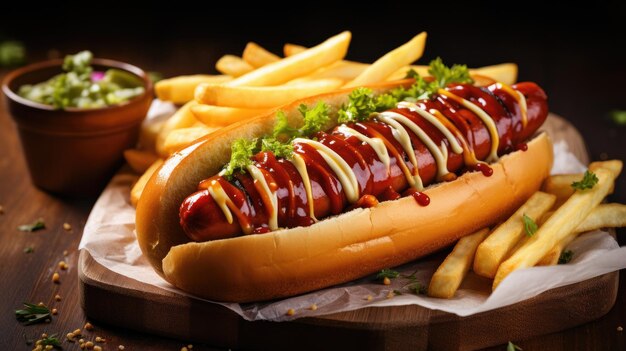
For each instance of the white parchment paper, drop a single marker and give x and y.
(109, 238)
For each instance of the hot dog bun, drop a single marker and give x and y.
(334, 250)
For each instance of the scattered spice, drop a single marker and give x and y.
(619, 328)
(97, 348)
(391, 294)
(88, 326)
(67, 226)
(291, 312)
(1, 210)
(77, 332)
(313, 307)
(55, 311)
(369, 298)
(81, 340)
(36, 225)
(56, 279)
(386, 281)
(99, 339)
(190, 346)
(184, 348)
(63, 266)
(64, 252)
(29, 249)
(32, 314)
(57, 297)
(70, 337)
(121, 347)
(89, 345)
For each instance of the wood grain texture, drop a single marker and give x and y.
(145, 308)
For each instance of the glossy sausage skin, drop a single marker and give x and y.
(202, 219)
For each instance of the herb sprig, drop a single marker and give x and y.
(413, 285)
(566, 256)
(589, 180)
(529, 225)
(31, 227)
(32, 314)
(362, 104)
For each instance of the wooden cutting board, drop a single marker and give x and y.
(112, 298)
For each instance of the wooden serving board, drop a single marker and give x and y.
(112, 298)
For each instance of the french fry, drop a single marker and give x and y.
(233, 66)
(148, 134)
(183, 118)
(615, 166)
(257, 56)
(560, 185)
(332, 50)
(498, 245)
(345, 70)
(180, 138)
(139, 160)
(505, 72)
(454, 268)
(603, 216)
(262, 97)
(564, 220)
(219, 116)
(137, 189)
(390, 62)
(292, 49)
(180, 90)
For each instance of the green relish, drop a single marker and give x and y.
(80, 86)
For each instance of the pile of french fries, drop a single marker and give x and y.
(560, 213)
(259, 81)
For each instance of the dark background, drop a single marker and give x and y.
(576, 53)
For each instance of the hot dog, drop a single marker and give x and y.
(343, 226)
(202, 219)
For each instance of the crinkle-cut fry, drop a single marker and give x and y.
(564, 220)
(390, 62)
(183, 137)
(454, 268)
(183, 118)
(332, 50)
(137, 189)
(233, 66)
(139, 160)
(263, 97)
(220, 116)
(505, 72)
(257, 56)
(180, 90)
(495, 249)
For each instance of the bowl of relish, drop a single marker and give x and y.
(75, 117)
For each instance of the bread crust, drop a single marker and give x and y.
(334, 250)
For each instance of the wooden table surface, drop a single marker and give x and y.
(28, 276)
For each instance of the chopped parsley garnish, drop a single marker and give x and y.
(588, 181)
(32, 314)
(566, 256)
(51, 340)
(279, 143)
(241, 153)
(529, 225)
(387, 273)
(362, 104)
(36, 225)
